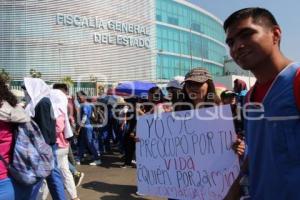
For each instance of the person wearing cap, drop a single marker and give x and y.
(199, 89)
(228, 97)
(174, 88)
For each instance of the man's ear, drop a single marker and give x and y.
(276, 35)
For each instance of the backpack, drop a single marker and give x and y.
(32, 157)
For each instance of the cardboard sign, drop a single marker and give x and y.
(187, 155)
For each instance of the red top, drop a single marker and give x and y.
(6, 140)
(297, 88)
(262, 89)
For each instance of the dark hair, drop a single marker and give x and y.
(160, 97)
(6, 95)
(227, 94)
(239, 85)
(259, 15)
(81, 93)
(211, 91)
(61, 86)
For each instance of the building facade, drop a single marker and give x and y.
(232, 72)
(187, 37)
(108, 40)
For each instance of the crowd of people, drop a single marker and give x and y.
(89, 127)
(80, 130)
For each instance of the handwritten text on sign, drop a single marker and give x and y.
(187, 155)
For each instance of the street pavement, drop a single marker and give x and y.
(109, 181)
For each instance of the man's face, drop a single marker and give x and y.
(251, 44)
(81, 99)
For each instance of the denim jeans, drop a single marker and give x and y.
(55, 180)
(86, 139)
(12, 190)
(102, 135)
(6, 189)
(23, 192)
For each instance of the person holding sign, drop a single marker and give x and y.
(272, 122)
(200, 92)
(199, 89)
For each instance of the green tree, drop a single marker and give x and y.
(93, 78)
(35, 74)
(68, 80)
(5, 75)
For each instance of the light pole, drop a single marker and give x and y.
(191, 50)
(59, 58)
(181, 69)
(161, 66)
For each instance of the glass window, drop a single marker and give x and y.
(158, 17)
(173, 20)
(196, 27)
(185, 42)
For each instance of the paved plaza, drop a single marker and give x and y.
(109, 181)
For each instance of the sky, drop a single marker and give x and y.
(286, 13)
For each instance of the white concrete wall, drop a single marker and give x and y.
(32, 38)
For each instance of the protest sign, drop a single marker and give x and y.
(187, 155)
